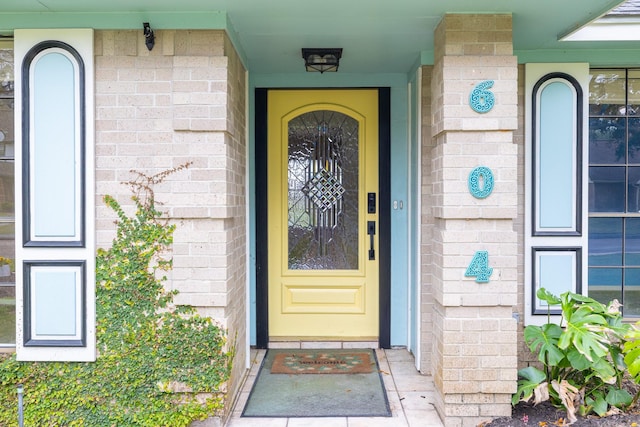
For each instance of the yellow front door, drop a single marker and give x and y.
(322, 159)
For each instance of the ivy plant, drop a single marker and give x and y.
(582, 357)
(158, 364)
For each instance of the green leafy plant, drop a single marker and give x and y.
(158, 364)
(632, 354)
(582, 357)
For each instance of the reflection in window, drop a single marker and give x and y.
(606, 189)
(7, 202)
(605, 242)
(614, 188)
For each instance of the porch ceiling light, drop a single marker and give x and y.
(321, 59)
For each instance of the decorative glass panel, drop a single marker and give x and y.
(556, 162)
(54, 294)
(54, 303)
(323, 180)
(55, 145)
(556, 270)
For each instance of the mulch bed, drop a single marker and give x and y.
(546, 415)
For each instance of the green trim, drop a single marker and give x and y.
(595, 57)
(115, 20)
(601, 57)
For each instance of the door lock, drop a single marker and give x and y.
(371, 203)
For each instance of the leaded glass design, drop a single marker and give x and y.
(323, 191)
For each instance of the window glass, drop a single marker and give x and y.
(7, 203)
(607, 140)
(606, 189)
(633, 138)
(633, 93)
(605, 241)
(633, 189)
(614, 188)
(605, 284)
(632, 241)
(607, 90)
(631, 296)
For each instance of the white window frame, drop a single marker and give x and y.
(70, 251)
(561, 241)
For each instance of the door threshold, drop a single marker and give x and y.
(319, 343)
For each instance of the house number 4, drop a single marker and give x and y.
(479, 267)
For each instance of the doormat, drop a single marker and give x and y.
(335, 394)
(322, 362)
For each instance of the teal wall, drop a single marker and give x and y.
(399, 177)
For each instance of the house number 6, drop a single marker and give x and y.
(481, 98)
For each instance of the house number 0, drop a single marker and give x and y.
(481, 182)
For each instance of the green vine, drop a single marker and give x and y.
(158, 364)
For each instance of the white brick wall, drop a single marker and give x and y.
(184, 101)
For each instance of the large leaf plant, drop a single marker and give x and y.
(582, 358)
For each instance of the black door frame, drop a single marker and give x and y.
(384, 209)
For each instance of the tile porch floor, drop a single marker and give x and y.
(410, 398)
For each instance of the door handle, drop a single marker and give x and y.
(371, 231)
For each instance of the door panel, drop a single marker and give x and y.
(322, 159)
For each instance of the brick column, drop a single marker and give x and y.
(184, 101)
(474, 356)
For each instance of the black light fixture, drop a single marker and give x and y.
(321, 59)
(149, 37)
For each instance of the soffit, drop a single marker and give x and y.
(377, 36)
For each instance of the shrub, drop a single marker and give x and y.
(582, 358)
(158, 364)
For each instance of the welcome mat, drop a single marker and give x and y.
(322, 362)
(334, 394)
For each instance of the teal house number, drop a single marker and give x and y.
(481, 99)
(480, 186)
(481, 182)
(479, 267)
